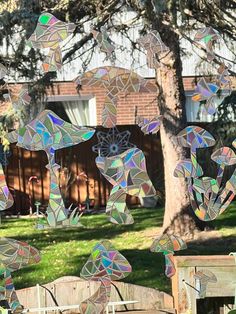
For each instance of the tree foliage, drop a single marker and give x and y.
(173, 19)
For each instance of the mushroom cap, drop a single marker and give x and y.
(206, 34)
(17, 254)
(195, 137)
(205, 275)
(204, 90)
(205, 185)
(168, 244)
(152, 41)
(185, 169)
(49, 31)
(116, 78)
(49, 132)
(105, 262)
(150, 126)
(224, 156)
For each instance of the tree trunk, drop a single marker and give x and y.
(179, 217)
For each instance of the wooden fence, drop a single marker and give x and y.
(23, 164)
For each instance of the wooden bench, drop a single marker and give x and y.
(71, 291)
(183, 282)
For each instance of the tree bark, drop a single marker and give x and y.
(179, 217)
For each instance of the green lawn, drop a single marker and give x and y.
(64, 251)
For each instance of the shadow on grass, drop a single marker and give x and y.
(148, 267)
(212, 246)
(147, 270)
(96, 227)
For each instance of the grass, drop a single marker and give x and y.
(64, 251)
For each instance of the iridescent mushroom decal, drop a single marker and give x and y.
(6, 199)
(168, 244)
(202, 191)
(104, 265)
(211, 197)
(150, 125)
(3, 71)
(104, 42)
(207, 36)
(155, 48)
(231, 183)
(49, 33)
(114, 80)
(14, 255)
(202, 279)
(223, 156)
(185, 169)
(195, 137)
(48, 132)
(206, 92)
(128, 174)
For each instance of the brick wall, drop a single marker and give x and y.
(143, 104)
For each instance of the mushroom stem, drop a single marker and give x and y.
(98, 301)
(220, 174)
(219, 178)
(169, 265)
(5, 195)
(11, 296)
(56, 211)
(109, 113)
(117, 209)
(196, 165)
(201, 286)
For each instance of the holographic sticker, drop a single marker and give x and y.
(112, 143)
(114, 80)
(48, 132)
(206, 92)
(104, 42)
(168, 244)
(105, 265)
(208, 196)
(202, 279)
(14, 255)
(150, 126)
(195, 137)
(128, 174)
(3, 71)
(155, 48)
(22, 99)
(6, 199)
(206, 37)
(49, 33)
(223, 72)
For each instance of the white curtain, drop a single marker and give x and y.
(77, 111)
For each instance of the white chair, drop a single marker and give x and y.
(113, 304)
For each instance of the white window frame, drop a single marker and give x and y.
(191, 116)
(91, 104)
